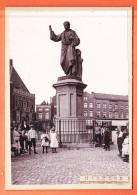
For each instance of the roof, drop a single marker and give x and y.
(44, 103)
(110, 96)
(104, 96)
(16, 80)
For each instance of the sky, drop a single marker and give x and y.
(103, 43)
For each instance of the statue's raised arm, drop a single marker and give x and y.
(53, 36)
(50, 28)
(69, 59)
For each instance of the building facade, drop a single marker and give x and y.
(106, 108)
(43, 116)
(43, 111)
(22, 102)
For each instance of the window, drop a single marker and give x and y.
(126, 115)
(40, 109)
(98, 105)
(98, 113)
(122, 115)
(17, 103)
(104, 106)
(85, 98)
(46, 109)
(85, 114)
(110, 106)
(122, 107)
(126, 106)
(91, 113)
(90, 105)
(104, 114)
(18, 116)
(85, 105)
(89, 122)
(27, 104)
(46, 115)
(110, 114)
(40, 115)
(116, 106)
(30, 116)
(21, 103)
(116, 114)
(99, 123)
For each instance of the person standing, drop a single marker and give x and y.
(120, 141)
(125, 148)
(24, 127)
(45, 141)
(97, 135)
(32, 139)
(16, 141)
(107, 139)
(53, 140)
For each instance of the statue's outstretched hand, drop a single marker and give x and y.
(50, 28)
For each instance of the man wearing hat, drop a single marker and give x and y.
(32, 139)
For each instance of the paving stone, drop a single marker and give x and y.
(66, 166)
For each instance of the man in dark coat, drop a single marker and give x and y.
(23, 139)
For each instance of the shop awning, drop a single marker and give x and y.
(119, 122)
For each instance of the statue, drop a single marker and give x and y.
(70, 60)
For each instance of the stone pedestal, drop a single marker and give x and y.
(70, 103)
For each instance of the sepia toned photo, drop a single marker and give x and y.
(68, 98)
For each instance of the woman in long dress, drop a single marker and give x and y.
(53, 140)
(16, 141)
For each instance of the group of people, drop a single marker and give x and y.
(123, 143)
(23, 138)
(102, 137)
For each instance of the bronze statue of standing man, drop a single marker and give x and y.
(69, 59)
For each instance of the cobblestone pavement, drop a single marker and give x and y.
(66, 166)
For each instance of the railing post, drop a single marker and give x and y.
(93, 131)
(60, 142)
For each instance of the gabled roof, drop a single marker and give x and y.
(44, 103)
(16, 80)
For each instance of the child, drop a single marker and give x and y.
(32, 139)
(125, 148)
(45, 141)
(53, 139)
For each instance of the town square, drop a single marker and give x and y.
(70, 98)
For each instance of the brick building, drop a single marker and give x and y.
(43, 116)
(106, 107)
(43, 111)
(22, 102)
